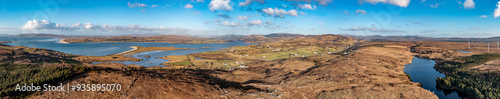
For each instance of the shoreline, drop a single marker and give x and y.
(139, 49)
(62, 41)
(126, 52)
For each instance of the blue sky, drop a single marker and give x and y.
(436, 18)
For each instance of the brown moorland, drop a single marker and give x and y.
(358, 71)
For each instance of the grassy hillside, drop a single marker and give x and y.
(237, 57)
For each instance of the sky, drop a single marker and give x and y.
(432, 18)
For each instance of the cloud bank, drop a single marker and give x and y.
(220, 5)
(279, 12)
(229, 24)
(45, 25)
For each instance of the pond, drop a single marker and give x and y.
(464, 51)
(422, 71)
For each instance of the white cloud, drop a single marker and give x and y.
(207, 21)
(360, 11)
(401, 3)
(483, 16)
(220, 5)
(435, 5)
(41, 24)
(254, 23)
(154, 5)
(496, 13)
(294, 13)
(279, 12)
(188, 6)
(229, 24)
(324, 2)
(269, 23)
(307, 6)
(469, 4)
(136, 4)
(197, 1)
(44, 25)
(248, 2)
(241, 18)
(320, 23)
(346, 13)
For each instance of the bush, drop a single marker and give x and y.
(476, 83)
(13, 74)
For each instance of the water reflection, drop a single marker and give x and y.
(422, 71)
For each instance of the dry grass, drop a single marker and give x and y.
(493, 65)
(371, 72)
(368, 72)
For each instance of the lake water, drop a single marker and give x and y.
(422, 71)
(464, 51)
(108, 48)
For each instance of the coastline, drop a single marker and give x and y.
(139, 49)
(133, 49)
(62, 41)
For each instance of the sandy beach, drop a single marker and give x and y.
(126, 52)
(139, 49)
(62, 41)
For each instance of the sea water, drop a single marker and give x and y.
(109, 48)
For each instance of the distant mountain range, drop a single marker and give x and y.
(274, 37)
(421, 38)
(43, 35)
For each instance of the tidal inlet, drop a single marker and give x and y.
(250, 49)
